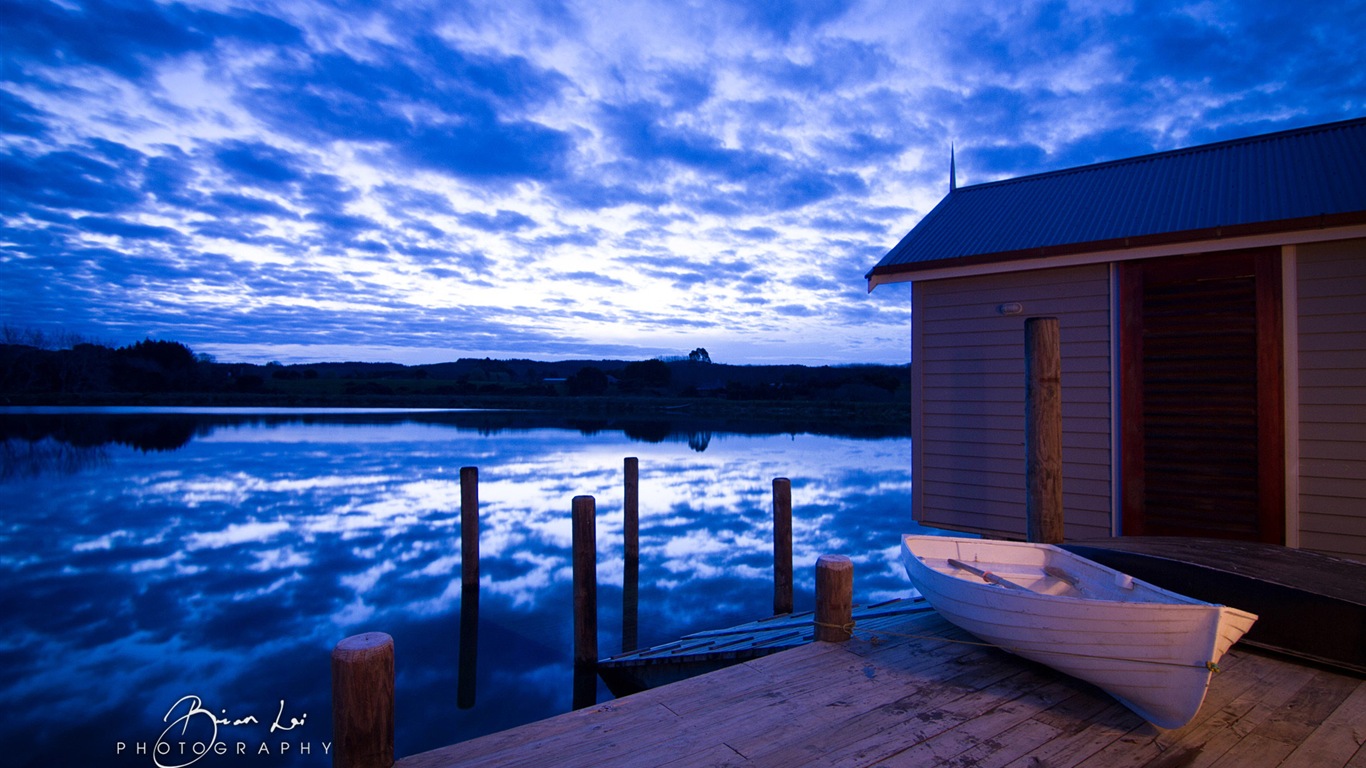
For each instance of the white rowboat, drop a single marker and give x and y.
(1151, 649)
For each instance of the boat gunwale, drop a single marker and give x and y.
(1179, 601)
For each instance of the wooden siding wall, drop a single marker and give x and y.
(1332, 396)
(969, 385)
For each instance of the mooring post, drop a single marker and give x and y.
(1043, 431)
(363, 701)
(631, 507)
(782, 546)
(834, 598)
(467, 671)
(469, 526)
(630, 582)
(585, 547)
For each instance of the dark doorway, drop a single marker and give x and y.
(1202, 405)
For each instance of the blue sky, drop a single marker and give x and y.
(551, 179)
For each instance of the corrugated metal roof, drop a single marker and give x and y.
(1253, 184)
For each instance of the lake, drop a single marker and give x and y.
(162, 562)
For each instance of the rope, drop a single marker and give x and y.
(873, 637)
(848, 629)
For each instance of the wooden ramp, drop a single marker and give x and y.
(701, 652)
(920, 693)
(1309, 605)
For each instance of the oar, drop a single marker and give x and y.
(986, 575)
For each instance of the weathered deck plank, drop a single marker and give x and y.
(1096, 721)
(921, 694)
(1340, 738)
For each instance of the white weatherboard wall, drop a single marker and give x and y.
(1331, 321)
(968, 447)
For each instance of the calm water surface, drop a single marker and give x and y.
(161, 566)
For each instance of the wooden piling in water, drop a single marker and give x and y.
(834, 598)
(363, 701)
(782, 546)
(1043, 431)
(630, 583)
(585, 557)
(469, 526)
(631, 506)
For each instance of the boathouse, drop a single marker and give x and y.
(1212, 308)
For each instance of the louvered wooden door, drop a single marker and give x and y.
(1201, 397)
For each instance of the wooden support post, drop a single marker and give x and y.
(834, 598)
(585, 600)
(469, 526)
(630, 582)
(782, 546)
(631, 508)
(1043, 430)
(363, 701)
(469, 588)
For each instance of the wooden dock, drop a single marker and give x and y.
(920, 692)
(707, 651)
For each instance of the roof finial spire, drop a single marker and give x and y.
(953, 170)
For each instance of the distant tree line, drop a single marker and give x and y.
(34, 366)
(147, 366)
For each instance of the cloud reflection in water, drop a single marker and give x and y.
(229, 567)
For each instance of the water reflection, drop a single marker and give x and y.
(227, 567)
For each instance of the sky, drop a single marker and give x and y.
(417, 182)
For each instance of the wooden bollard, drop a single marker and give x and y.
(469, 526)
(585, 580)
(782, 546)
(631, 507)
(585, 547)
(363, 701)
(834, 598)
(1043, 431)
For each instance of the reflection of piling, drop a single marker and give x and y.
(363, 701)
(782, 545)
(834, 598)
(469, 646)
(630, 584)
(585, 601)
(1043, 431)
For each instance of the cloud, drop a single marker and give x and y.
(502, 221)
(126, 38)
(257, 163)
(488, 149)
(432, 105)
(77, 179)
(235, 205)
(783, 20)
(261, 178)
(18, 117)
(119, 37)
(593, 278)
(105, 225)
(645, 132)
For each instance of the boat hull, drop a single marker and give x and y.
(1152, 649)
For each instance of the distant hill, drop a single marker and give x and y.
(32, 374)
